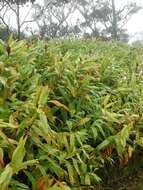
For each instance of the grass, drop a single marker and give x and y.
(70, 113)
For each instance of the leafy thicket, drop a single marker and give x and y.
(67, 108)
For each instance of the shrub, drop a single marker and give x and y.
(67, 108)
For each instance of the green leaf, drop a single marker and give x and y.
(44, 123)
(31, 179)
(3, 80)
(121, 139)
(105, 143)
(71, 173)
(95, 177)
(54, 167)
(87, 180)
(95, 133)
(72, 141)
(25, 164)
(17, 184)
(18, 155)
(5, 177)
(62, 187)
(75, 163)
(83, 121)
(43, 97)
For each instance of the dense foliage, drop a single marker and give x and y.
(67, 108)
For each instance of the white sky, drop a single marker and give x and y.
(135, 25)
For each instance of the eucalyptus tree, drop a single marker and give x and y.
(14, 6)
(53, 17)
(105, 18)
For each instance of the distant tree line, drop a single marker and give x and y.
(60, 18)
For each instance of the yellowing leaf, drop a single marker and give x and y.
(83, 121)
(106, 99)
(1, 158)
(7, 125)
(60, 105)
(49, 114)
(13, 119)
(87, 97)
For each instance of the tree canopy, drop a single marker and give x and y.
(58, 18)
(17, 1)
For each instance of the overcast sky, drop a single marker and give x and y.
(134, 26)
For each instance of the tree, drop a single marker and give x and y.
(20, 2)
(14, 6)
(114, 18)
(89, 10)
(120, 17)
(4, 34)
(52, 17)
(103, 18)
(3, 12)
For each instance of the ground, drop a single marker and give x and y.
(134, 182)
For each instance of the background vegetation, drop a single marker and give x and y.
(48, 19)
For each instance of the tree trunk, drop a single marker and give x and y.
(114, 25)
(18, 22)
